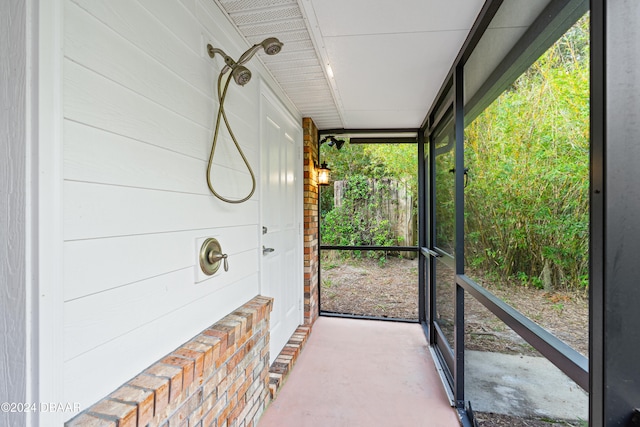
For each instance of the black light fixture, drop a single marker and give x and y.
(324, 174)
(332, 141)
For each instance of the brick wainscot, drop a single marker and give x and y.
(218, 379)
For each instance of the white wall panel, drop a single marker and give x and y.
(242, 120)
(132, 64)
(177, 19)
(217, 24)
(190, 5)
(93, 155)
(139, 103)
(94, 45)
(96, 101)
(98, 265)
(94, 374)
(93, 210)
(142, 29)
(101, 103)
(105, 316)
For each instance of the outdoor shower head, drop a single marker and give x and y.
(241, 74)
(271, 46)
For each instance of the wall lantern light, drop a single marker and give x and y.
(324, 174)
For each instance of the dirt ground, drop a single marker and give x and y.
(389, 289)
(370, 288)
(499, 420)
(564, 314)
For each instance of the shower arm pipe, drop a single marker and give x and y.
(230, 64)
(267, 44)
(223, 114)
(271, 46)
(245, 57)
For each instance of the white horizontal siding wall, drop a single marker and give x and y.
(139, 106)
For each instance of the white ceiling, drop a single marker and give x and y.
(388, 57)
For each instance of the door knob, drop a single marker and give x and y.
(266, 251)
(211, 257)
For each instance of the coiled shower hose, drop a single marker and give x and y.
(222, 113)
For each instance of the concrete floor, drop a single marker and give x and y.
(522, 386)
(362, 373)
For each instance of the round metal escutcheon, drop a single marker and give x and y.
(210, 245)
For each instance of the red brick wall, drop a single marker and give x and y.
(311, 237)
(219, 378)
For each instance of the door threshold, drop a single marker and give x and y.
(365, 317)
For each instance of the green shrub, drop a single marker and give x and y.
(357, 221)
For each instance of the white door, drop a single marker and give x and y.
(281, 222)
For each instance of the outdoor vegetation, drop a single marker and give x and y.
(526, 198)
(370, 174)
(372, 201)
(526, 218)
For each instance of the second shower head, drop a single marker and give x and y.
(239, 72)
(241, 75)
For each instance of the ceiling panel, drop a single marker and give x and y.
(400, 70)
(379, 118)
(387, 59)
(297, 67)
(357, 17)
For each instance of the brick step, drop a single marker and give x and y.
(283, 364)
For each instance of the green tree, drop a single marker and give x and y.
(528, 155)
(400, 161)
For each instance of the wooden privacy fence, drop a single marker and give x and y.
(390, 200)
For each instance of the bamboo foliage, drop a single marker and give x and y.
(527, 204)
